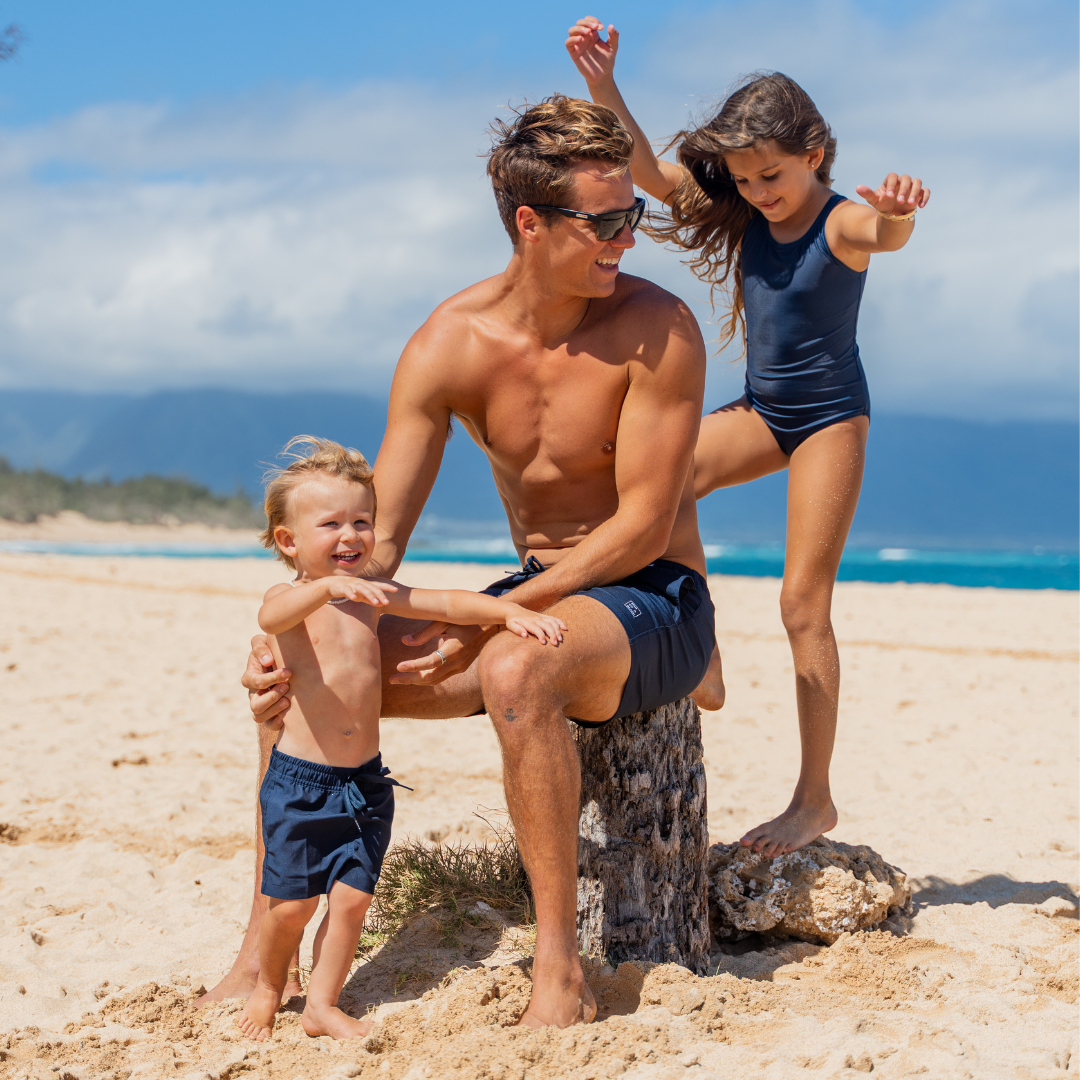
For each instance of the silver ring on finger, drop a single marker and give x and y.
(441, 655)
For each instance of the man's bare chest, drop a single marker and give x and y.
(548, 410)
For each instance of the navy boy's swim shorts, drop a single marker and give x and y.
(670, 622)
(323, 824)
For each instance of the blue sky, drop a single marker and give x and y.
(276, 194)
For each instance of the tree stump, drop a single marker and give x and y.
(644, 839)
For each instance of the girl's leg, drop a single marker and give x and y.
(280, 932)
(334, 952)
(824, 478)
(734, 446)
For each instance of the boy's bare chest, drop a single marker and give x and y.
(335, 647)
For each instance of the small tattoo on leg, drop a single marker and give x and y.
(509, 715)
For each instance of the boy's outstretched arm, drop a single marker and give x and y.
(473, 609)
(286, 606)
(595, 59)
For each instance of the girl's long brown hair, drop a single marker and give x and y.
(707, 215)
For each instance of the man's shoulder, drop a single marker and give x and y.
(456, 313)
(638, 297)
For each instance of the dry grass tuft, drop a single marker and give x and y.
(418, 876)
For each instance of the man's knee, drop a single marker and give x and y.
(512, 672)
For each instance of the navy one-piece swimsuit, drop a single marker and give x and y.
(801, 303)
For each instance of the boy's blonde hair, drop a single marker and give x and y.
(323, 457)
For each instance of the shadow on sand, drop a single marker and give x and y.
(993, 889)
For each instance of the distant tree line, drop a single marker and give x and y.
(26, 495)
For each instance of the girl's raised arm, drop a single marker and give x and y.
(595, 59)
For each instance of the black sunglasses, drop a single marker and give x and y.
(608, 226)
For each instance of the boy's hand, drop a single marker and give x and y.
(361, 590)
(547, 629)
(897, 195)
(594, 58)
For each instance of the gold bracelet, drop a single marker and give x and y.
(900, 217)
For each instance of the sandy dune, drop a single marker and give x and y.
(126, 796)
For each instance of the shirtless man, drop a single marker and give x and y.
(584, 388)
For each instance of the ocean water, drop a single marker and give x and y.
(1032, 569)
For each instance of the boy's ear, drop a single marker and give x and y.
(285, 540)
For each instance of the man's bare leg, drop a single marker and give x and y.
(529, 693)
(244, 973)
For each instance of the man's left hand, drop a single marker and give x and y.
(455, 649)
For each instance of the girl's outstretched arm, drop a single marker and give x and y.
(595, 59)
(876, 227)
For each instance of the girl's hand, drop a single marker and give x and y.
(362, 590)
(595, 59)
(545, 628)
(897, 195)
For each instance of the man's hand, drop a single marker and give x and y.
(896, 195)
(267, 686)
(593, 57)
(460, 645)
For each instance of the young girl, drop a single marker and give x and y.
(327, 802)
(751, 199)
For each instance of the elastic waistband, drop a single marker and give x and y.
(680, 568)
(328, 777)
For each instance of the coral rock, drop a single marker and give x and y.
(815, 894)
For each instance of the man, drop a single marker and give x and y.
(584, 388)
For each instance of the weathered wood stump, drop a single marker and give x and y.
(644, 839)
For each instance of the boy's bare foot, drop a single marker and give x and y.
(574, 1005)
(710, 693)
(793, 829)
(257, 1019)
(333, 1022)
(241, 981)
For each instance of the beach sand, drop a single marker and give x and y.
(127, 788)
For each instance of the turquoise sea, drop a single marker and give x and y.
(1032, 569)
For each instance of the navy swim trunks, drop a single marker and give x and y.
(323, 824)
(670, 622)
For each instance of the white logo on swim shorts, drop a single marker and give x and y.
(632, 608)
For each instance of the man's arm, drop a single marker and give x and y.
(658, 428)
(417, 422)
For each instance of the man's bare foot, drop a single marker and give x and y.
(333, 1022)
(710, 693)
(793, 829)
(576, 1006)
(241, 981)
(257, 1019)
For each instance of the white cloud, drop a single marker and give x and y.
(299, 238)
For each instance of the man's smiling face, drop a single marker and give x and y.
(580, 263)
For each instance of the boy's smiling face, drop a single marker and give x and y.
(330, 527)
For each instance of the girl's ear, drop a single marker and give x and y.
(285, 540)
(814, 158)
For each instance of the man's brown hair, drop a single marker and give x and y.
(532, 160)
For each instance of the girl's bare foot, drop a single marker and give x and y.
(257, 1019)
(793, 829)
(333, 1022)
(710, 694)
